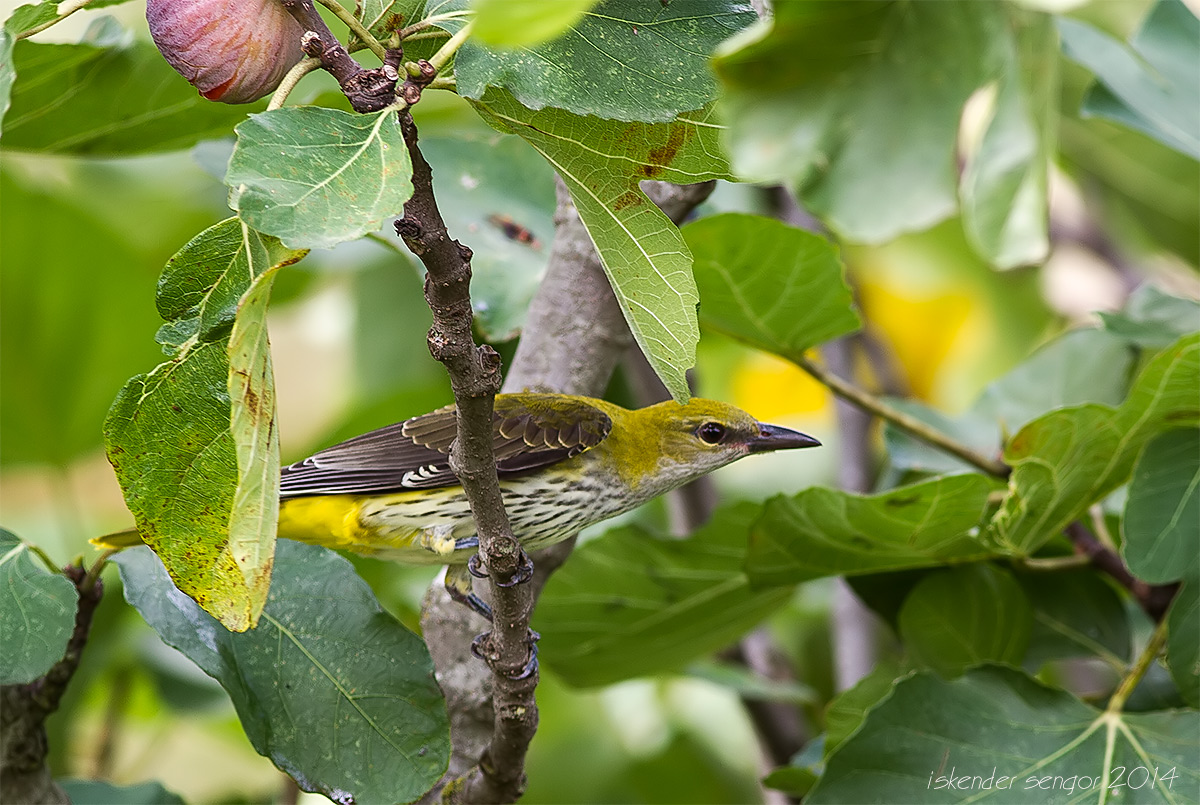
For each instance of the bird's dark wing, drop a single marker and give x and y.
(529, 431)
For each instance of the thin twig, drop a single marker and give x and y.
(1154, 599)
(291, 79)
(64, 10)
(447, 51)
(356, 27)
(1131, 680)
(1100, 527)
(911, 424)
(367, 90)
(574, 336)
(436, 33)
(1051, 564)
(24, 708)
(44, 557)
(475, 379)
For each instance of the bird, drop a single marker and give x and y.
(564, 462)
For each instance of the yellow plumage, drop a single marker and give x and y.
(564, 463)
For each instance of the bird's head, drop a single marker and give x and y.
(679, 443)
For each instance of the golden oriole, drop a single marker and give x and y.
(564, 463)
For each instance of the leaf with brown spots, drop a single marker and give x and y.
(193, 442)
(643, 253)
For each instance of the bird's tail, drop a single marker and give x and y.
(121, 539)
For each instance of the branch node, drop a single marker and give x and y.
(310, 43)
(409, 231)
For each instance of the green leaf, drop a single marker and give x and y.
(315, 177)
(1183, 640)
(625, 60)
(101, 792)
(776, 287)
(1153, 319)
(857, 106)
(971, 428)
(1161, 527)
(964, 616)
(497, 194)
(1081, 366)
(106, 101)
(1068, 459)
(329, 686)
(1075, 614)
(793, 780)
(1143, 189)
(1004, 737)
(194, 443)
(644, 255)
(1004, 186)
(630, 603)
(523, 23)
(381, 17)
(1152, 84)
(37, 613)
(847, 711)
(1085, 365)
(22, 19)
(748, 684)
(31, 15)
(823, 532)
(803, 770)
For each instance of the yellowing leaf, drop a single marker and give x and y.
(193, 442)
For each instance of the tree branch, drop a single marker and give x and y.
(574, 336)
(1154, 599)
(911, 424)
(24, 776)
(475, 379)
(367, 90)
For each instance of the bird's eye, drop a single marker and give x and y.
(711, 432)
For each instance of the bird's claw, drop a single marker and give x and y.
(531, 665)
(475, 567)
(523, 573)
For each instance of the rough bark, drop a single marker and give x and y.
(24, 775)
(574, 336)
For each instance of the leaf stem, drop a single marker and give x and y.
(291, 79)
(93, 574)
(64, 10)
(1049, 564)
(446, 51)
(437, 33)
(356, 27)
(44, 557)
(1100, 528)
(911, 424)
(1131, 680)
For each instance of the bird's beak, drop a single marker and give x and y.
(773, 437)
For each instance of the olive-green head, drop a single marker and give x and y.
(668, 444)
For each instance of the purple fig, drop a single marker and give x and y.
(233, 51)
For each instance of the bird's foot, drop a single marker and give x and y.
(531, 665)
(522, 574)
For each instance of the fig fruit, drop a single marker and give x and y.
(233, 51)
